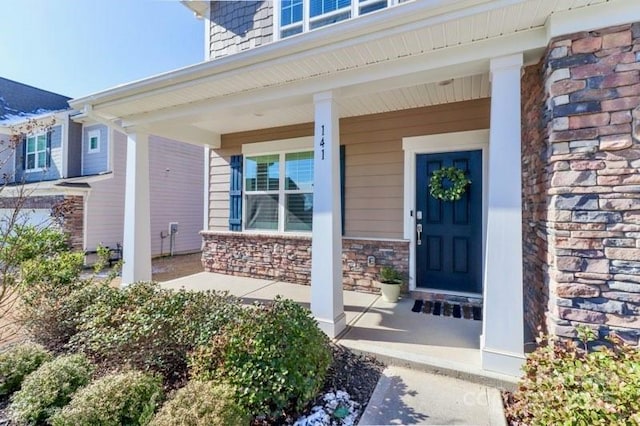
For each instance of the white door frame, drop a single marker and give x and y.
(431, 144)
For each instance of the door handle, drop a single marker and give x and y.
(419, 232)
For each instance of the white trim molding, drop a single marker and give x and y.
(281, 145)
(431, 144)
(608, 14)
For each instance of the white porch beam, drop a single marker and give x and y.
(326, 244)
(182, 132)
(502, 342)
(137, 223)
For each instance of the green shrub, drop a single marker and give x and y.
(49, 388)
(276, 357)
(151, 328)
(202, 404)
(51, 311)
(128, 398)
(564, 384)
(17, 362)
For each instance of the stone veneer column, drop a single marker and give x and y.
(326, 243)
(136, 246)
(593, 223)
(502, 342)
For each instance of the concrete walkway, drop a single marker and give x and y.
(400, 338)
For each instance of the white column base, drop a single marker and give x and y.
(333, 328)
(507, 363)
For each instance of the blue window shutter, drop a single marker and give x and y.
(48, 154)
(24, 153)
(342, 179)
(235, 194)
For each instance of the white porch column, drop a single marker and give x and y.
(326, 247)
(137, 223)
(502, 334)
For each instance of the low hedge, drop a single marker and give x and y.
(566, 384)
(128, 398)
(202, 404)
(275, 356)
(148, 327)
(17, 362)
(49, 388)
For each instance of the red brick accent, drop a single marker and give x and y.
(66, 210)
(288, 257)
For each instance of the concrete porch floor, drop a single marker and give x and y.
(390, 331)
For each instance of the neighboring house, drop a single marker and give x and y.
(325, 121)
(75, 168)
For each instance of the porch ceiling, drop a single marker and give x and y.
(387, 60)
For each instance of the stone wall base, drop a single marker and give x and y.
(288, 258)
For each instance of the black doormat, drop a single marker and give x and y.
(447, 309)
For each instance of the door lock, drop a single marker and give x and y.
(419, 232)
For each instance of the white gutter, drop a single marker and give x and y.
(89, 113)
(395, 19)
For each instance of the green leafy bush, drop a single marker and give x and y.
(128, 398)
(51, 311)
(17, 362)
(564, 384)
(276, 357)
(151, 328)
(49, 388)
(202, 404)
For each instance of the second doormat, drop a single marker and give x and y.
(447, 309)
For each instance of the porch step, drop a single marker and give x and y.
(438, 366)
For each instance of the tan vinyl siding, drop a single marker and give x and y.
(374, 162)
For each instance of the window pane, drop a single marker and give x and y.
(319, 7)
(42, 142)
(372, 7)
(42, 159)
(290, 31)
(262, 212)
(330, 20)
(31, 161)
(299, 171)
(31, 144)
(262, 173)
(299, 212)
(93, 143)
(291, 12)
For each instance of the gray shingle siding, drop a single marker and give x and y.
(239, 25)
(54, 170)
(95, 162)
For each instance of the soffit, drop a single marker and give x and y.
(412, 41)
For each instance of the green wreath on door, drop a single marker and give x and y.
(458, 179)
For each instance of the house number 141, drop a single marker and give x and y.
(322, 141)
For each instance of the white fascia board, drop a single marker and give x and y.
(390, 21)
(604, 15)
(457, 61)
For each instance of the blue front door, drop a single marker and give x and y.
(449, 233)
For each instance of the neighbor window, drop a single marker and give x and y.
(298, 16)
(279, 191)
(94, 141)
(36, 152)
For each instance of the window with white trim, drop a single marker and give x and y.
(93, 141)
(35, 153)
(278, 192)
(297, 16)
